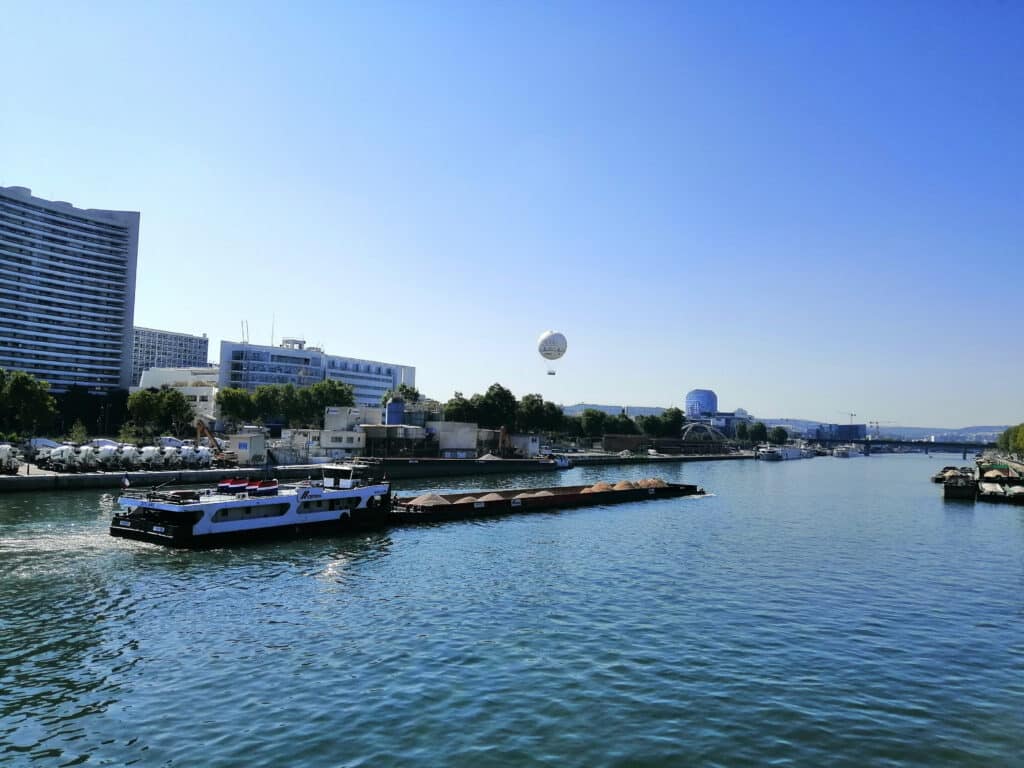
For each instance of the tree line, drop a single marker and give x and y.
(285, 404)
(26, 405)
(498, 408)
(758, 432)
(27, 408)
(1012, 440)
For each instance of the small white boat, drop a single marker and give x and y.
(346, 497)
(779, 452)
(846, 451)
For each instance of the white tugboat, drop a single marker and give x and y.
(346, 498)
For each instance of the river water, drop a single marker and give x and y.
(817, 612)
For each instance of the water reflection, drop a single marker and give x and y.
(806, 609)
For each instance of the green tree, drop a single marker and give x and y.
(266, 404)
(76, 404)
(236, 405)
(649, 425)
(458, 408)
(758, 432)
(620, 425)
(26, 404)
(128, 433)
(293, 408)
(592, 422)
(329, 394)
(408, 393)
(742, 431)
(1003, 442)
(778, 436)
(530, 416)
(496, 408)
(573, 426)
(144, 408)
(672, 422)
(1017, 446)
(554, 418)
(668, 424)
(78, 433)
(174, 412)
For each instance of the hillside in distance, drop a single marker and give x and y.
(977, 433)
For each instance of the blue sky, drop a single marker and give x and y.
(810, 208)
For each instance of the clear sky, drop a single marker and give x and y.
(811, 208)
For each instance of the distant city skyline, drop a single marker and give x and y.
(807, 208)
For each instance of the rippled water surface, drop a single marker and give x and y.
(819, 612)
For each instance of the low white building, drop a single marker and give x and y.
(455, 439)
(198, 385)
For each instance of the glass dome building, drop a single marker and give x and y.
(701, 403)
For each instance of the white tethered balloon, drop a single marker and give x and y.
(552, 346)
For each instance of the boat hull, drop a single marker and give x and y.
(181, 536)
(964, 490)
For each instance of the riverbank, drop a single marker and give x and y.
(31, 478)
(585, 459)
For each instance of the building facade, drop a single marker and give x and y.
(701, 403)
(166, 349)
(198, 385)
(248, 366)
(838, 432)
(67, 291)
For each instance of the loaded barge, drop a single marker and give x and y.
(347, 499)
(432, 508)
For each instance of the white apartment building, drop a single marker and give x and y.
(198, 385)
(166, 349)
(67, 291)
(248, 366)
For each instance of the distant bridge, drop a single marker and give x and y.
(927, 446)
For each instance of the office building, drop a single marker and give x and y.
(67, 291)
(701, 403)
(839, 432)
(166, 349)
(248, 366)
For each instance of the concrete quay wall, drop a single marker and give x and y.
(39, 480)
(588, 460)
(396, 469)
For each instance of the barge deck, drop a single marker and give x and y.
(433, 508)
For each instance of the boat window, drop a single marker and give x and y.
(229, 514)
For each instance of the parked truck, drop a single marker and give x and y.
(9, 462)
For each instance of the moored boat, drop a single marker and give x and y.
(960, 486)
(780, 453)
(940, 476)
